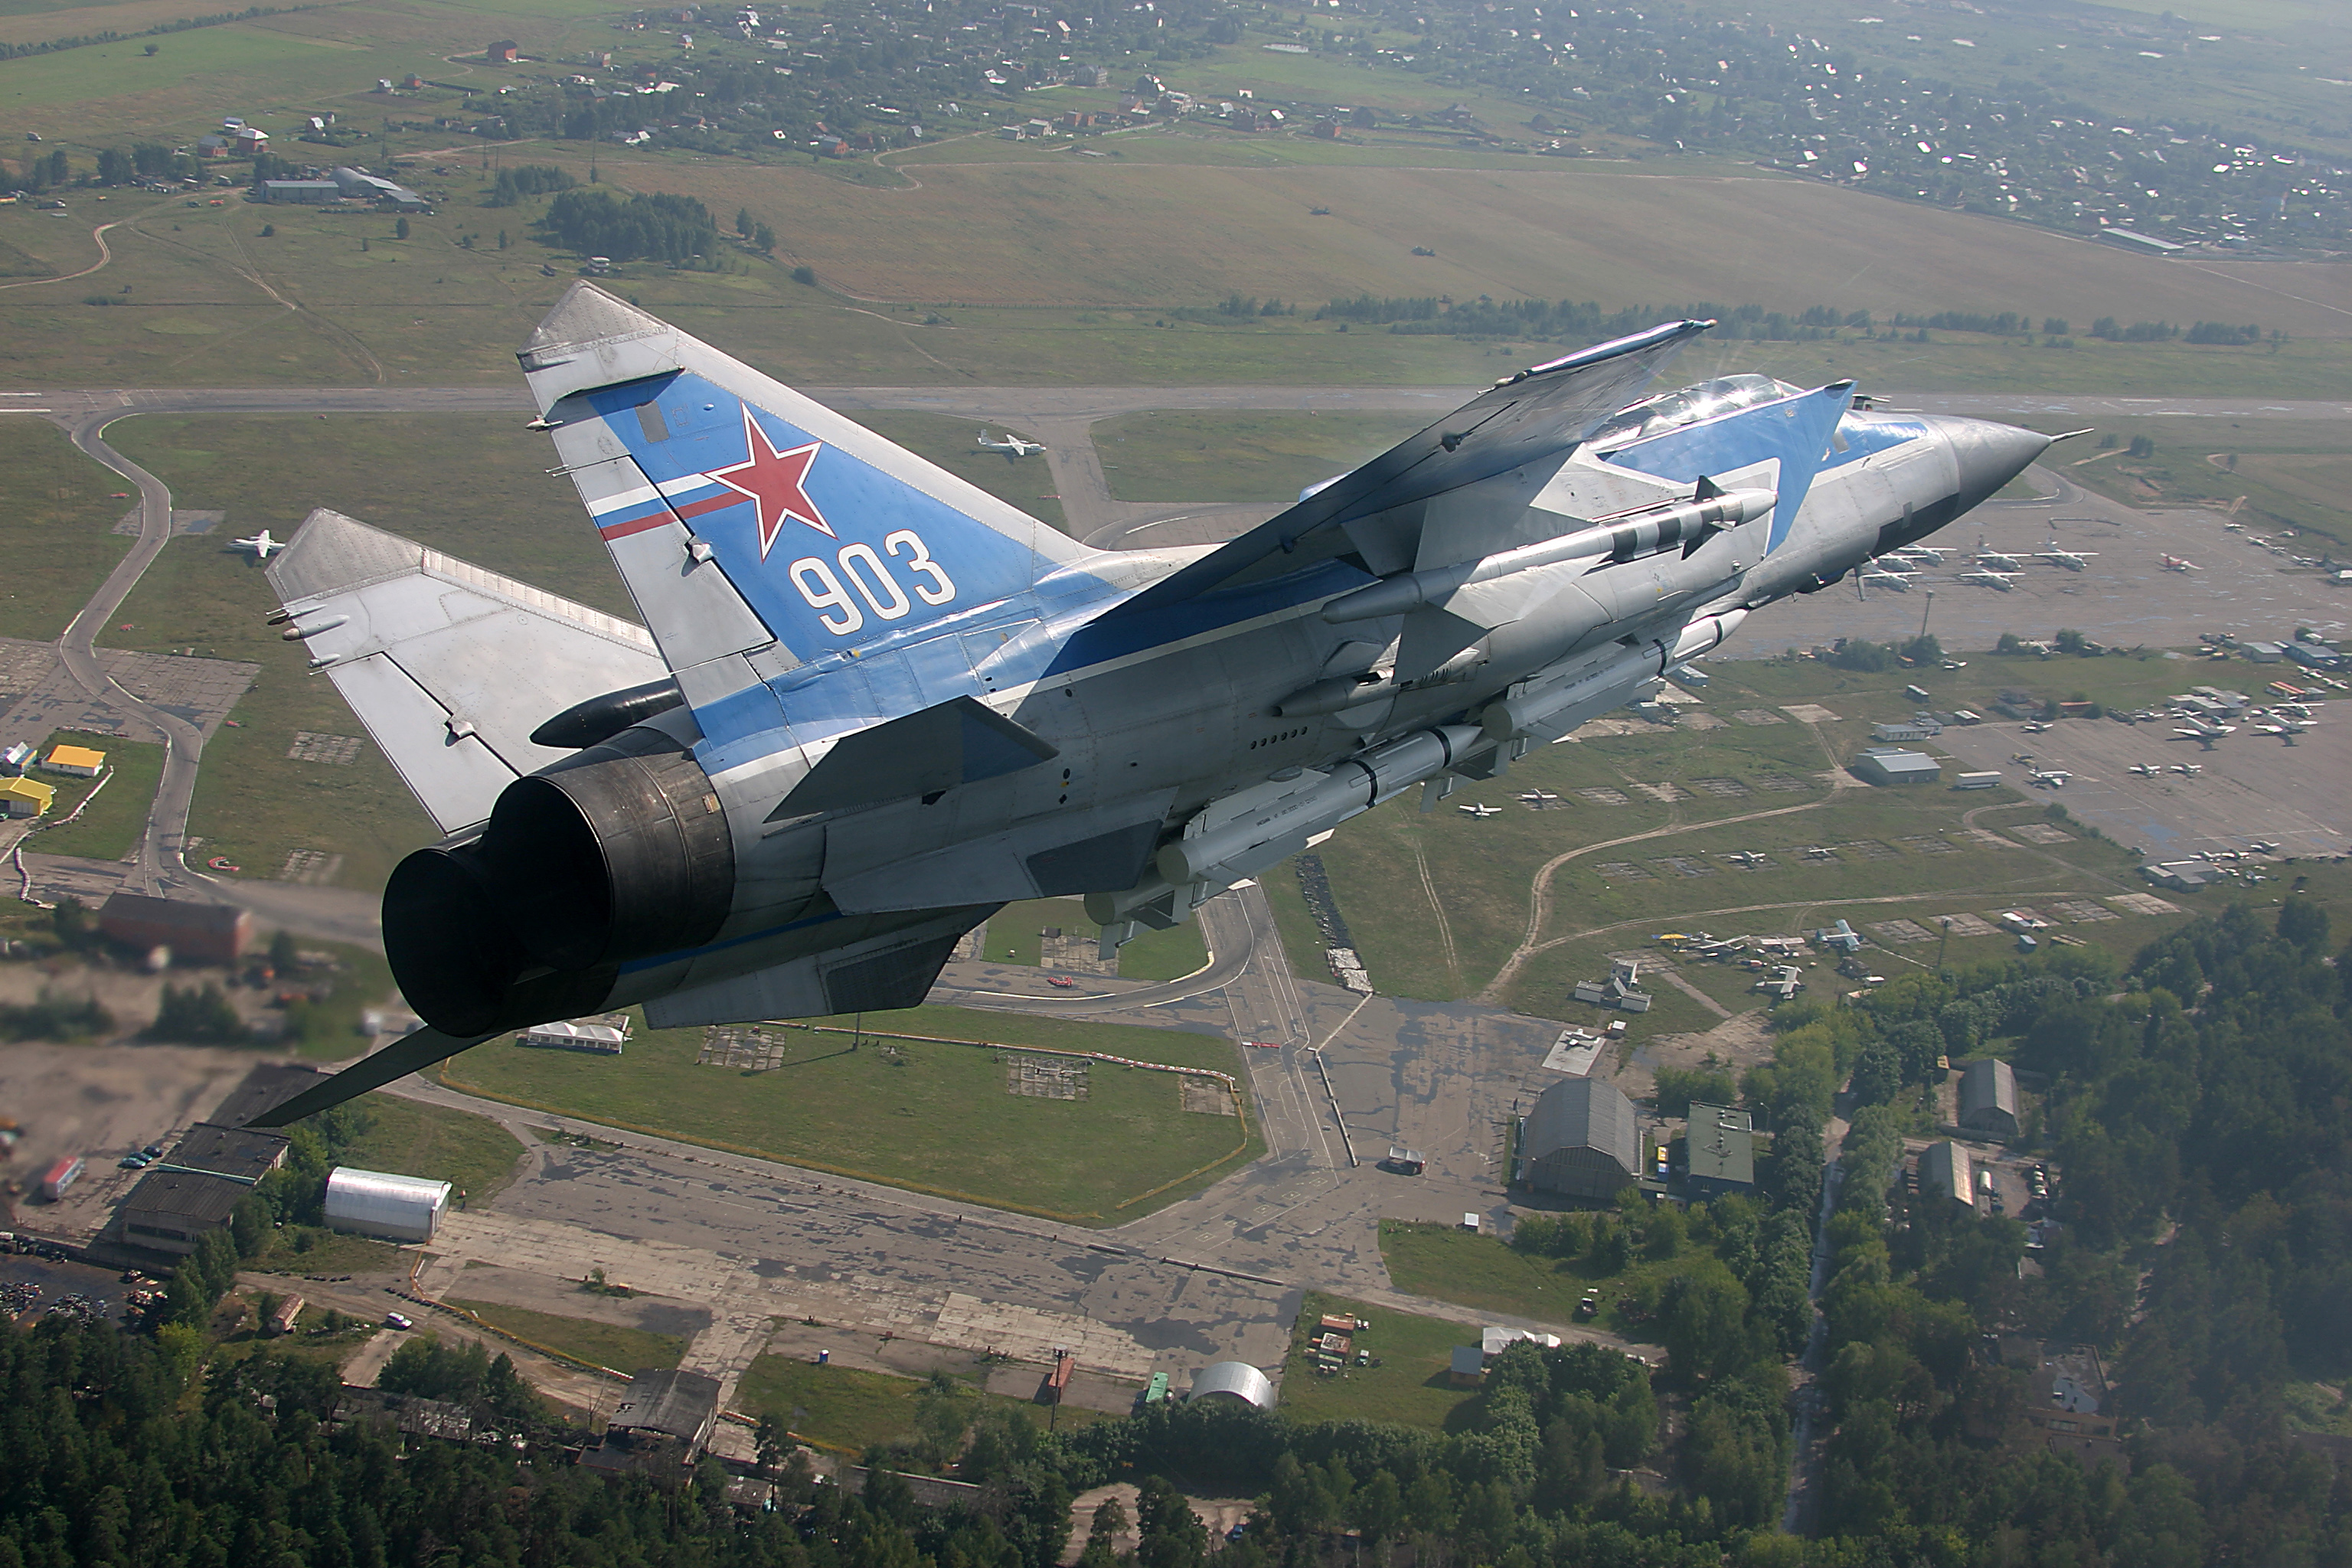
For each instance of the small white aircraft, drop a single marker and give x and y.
(2146, 770)
(1877, 576)
(2188, 770)
(2055, 778)
(261, 546)
(1011, 446)
(1998, 560)
(2073, 560)
(1480, 812)
(1929, 554)
(1986, 579)
(1749, 859)
(2180, 563)
(1537, 799)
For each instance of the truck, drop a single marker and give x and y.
(60, 1176)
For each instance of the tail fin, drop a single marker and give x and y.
(742, 513)
(1791, 436)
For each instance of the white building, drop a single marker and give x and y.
(396, 1208)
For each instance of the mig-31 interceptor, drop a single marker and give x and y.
(869, 703)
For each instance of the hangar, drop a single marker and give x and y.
(1581, 1139)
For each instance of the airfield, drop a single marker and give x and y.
(259, 377)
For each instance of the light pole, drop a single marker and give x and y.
(1925, 610)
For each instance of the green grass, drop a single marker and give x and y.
(1014, 937)
(1412, 1384)
(1482, 1272)
(604, 1345)
(56, 513)
(1219, 456)
(933, 1117)
(953, 444)
(850, 1409)
(328, 1253)
(2290, 474)
(408, 1137)
(112, 827)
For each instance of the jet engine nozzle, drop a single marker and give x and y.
(619, 853)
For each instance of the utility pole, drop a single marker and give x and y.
(1924, 611)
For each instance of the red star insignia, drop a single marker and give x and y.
(774, 481)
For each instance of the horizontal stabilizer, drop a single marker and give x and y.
(1532, 415)
(396, 1060)
(451, 667)
(960, 741)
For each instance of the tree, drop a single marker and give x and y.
(764, 240)
(400, 229)
(744, 222)
(197, 1016)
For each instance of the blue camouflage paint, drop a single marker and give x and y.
(1796, 430)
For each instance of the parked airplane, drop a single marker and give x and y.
(2073, 560)
(1984, 579)
(871, 703)
(2177, 564)
(2146, 770)
(2188, 770)
(1877, 576)
(261, 546)
(1998, 560)
(1481, 812)
(1927, 554)
(1011, 446)
(2054, 778)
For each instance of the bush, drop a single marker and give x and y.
(198, 1015)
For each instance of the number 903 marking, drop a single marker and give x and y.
(869, 574)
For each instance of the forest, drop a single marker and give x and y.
(2197, 1102)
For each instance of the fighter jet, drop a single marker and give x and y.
(1011, 446)
(1480, 812)
(1985, 579)
(2179, 563)
(2073, 560)
(261, 546)
(870, 703)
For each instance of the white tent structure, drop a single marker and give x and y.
(396, 1208)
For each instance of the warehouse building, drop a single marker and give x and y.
(1581, 1139)
(170, 1210)
(1718, 1152)
(1945, 1172)
(1893, 765)
(26, 798)
(1231, 1380)
(204, 934)
(303, 192)
(396, 1208)
(1989, 1099)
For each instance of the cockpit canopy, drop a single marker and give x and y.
(1687, 406)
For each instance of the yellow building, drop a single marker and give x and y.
(25, 797)
(79, 761)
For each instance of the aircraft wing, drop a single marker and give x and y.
(1531, 415)
(449, 667)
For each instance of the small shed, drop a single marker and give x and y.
(374, 1203)
(1467, 1367)
(1581, 1139)
(1988, 1097)
(1234, 1380)
(205, 934)
(26, 798)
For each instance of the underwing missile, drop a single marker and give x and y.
(1685, 523)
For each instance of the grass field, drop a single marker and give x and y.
(953, 445)
(1437, 904)
(112, 827)
(2291, 474)
(1015, 932)
(56, 512)
(1216, 457)
(1411, 1386)
(328, 1253)
(938, 1118)
(849, 1409)
(604, 1345)
(1484, 1272)
(407, 1138)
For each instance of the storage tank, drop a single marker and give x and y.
(396, 1208)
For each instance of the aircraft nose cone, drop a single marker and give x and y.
(1987, 454)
